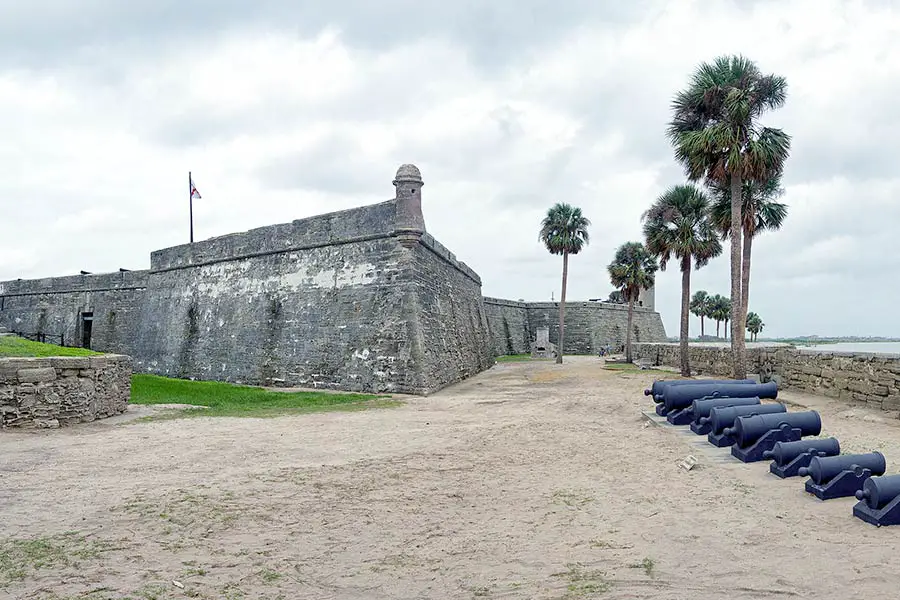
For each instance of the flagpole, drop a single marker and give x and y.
(191, 203)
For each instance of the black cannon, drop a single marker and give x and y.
(841, 476)
(701, 408)
(789, 457)
(879, 501)
(755, 434)
(722, 417)
(660, 384)
(682, 396)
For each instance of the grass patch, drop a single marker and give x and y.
(583, 582)
(647, 565)
(20, 557)
(229, 400)
(514, 358)
(11, 345)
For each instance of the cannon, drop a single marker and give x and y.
(841, 476)
(682, 396)
(755, 434)
(789, 457)
(701, 408)
(879, 501)
(660, 384)
(723, 417)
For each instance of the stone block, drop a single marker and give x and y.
(89, 373)
(69, 372)
(891, 403)
(71, 362)
(101, 362)
(879, 390)
(36, 375)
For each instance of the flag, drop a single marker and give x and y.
(194, 193)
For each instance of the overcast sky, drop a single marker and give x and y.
(289, 108)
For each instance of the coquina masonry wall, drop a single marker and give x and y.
(360, 300)
(50, 392)
(858, 378)
(589, 325)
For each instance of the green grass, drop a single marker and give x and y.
(19, 558)
(15, 346)
(228, 400)
(513, 357)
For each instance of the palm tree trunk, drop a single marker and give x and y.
(725, 329)
(685, 314)
(628, 333)
(717, 328)
(701, 327)
(562, 310)
(737, 338)
(745, 279)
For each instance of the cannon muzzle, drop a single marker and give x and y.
(823, 469)
(723, 417)
(748, 429)
(681, 396)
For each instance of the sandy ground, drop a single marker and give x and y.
(528, 481)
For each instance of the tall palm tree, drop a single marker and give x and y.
(716, 134)
(632, 270)
(564, 231)
(759, 212)
(678, 224)
(700, 307)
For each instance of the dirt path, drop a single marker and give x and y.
(528, 481)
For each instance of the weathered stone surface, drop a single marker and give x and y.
(589, 325)
(43, 397)
(36, 375)
(70, 362)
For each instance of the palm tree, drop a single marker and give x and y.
(564, 231)
(632, 270)
(716, 133)
(754, 325)
(759, 212)
(678, 224)
(719, 308)
(700, 307)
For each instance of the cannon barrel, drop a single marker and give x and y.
(823, 469)
(660, 384)
(878, 491)
(746, 430)
(681, 396)
(785, 452)
(722, 417)
(702, 407)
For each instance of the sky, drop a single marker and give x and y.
(284, 109)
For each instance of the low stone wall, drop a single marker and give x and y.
(858, 378)
(60, 391)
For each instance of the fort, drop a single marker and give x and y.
(362, 300)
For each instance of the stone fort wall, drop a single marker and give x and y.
(360, 300)
(589, 325)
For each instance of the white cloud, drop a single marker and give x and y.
(279, 121)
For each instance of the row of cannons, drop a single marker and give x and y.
(731, 413)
